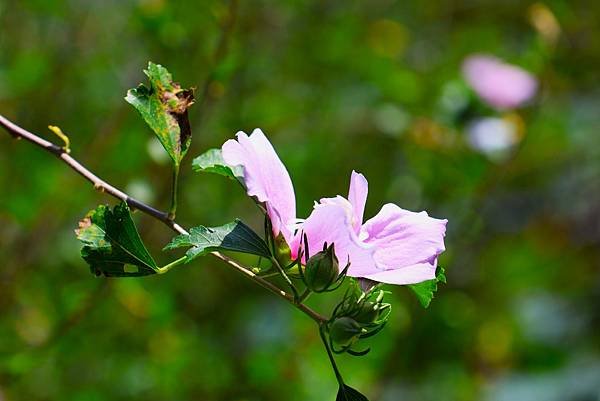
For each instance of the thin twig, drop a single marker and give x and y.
(103, 186)
(99, 184)
(274, 289)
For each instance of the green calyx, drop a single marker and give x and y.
(368, 312)
(345, 331)
(282, 251)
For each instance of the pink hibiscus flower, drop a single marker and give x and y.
(396, 246)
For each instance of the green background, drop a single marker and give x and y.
(373, 86)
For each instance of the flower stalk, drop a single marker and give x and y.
(322, 333)
(177, 262)
(174, 191)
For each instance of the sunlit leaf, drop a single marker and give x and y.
(212, 161)
(425, 291)
(235, 236)
(164, 108)
(112, 245)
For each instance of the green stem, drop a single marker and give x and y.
(338, 375)
(269, 275)
(286, 278)
(304, 296)
(174, 190)
(166, 268)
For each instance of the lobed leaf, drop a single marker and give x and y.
(212, 161)
(112, 245)
(234, 236)
(425, 291)
(164, 108)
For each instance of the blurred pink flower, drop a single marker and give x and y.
(501, 85)
(396, 246)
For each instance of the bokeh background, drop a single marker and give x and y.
(374, 86)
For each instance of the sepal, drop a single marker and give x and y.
(358, 316)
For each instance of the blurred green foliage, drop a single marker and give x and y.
(373, 86)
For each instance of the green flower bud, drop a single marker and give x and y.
(322, 270)
(344, 331)
(368, 313)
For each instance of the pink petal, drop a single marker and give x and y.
(404, 239)
(341, 202)
(331, 223)
(407, 275)
(499, 84)
(265, 177)
(357, 195)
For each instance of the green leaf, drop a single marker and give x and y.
(426, 290)
(112, 245)
(347, 393)
(212, 161)
(235, 236)
(164, 108)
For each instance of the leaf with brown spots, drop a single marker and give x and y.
(164, 108)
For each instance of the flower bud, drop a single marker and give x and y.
(322, 270)
(368, 313)
(344, 331)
